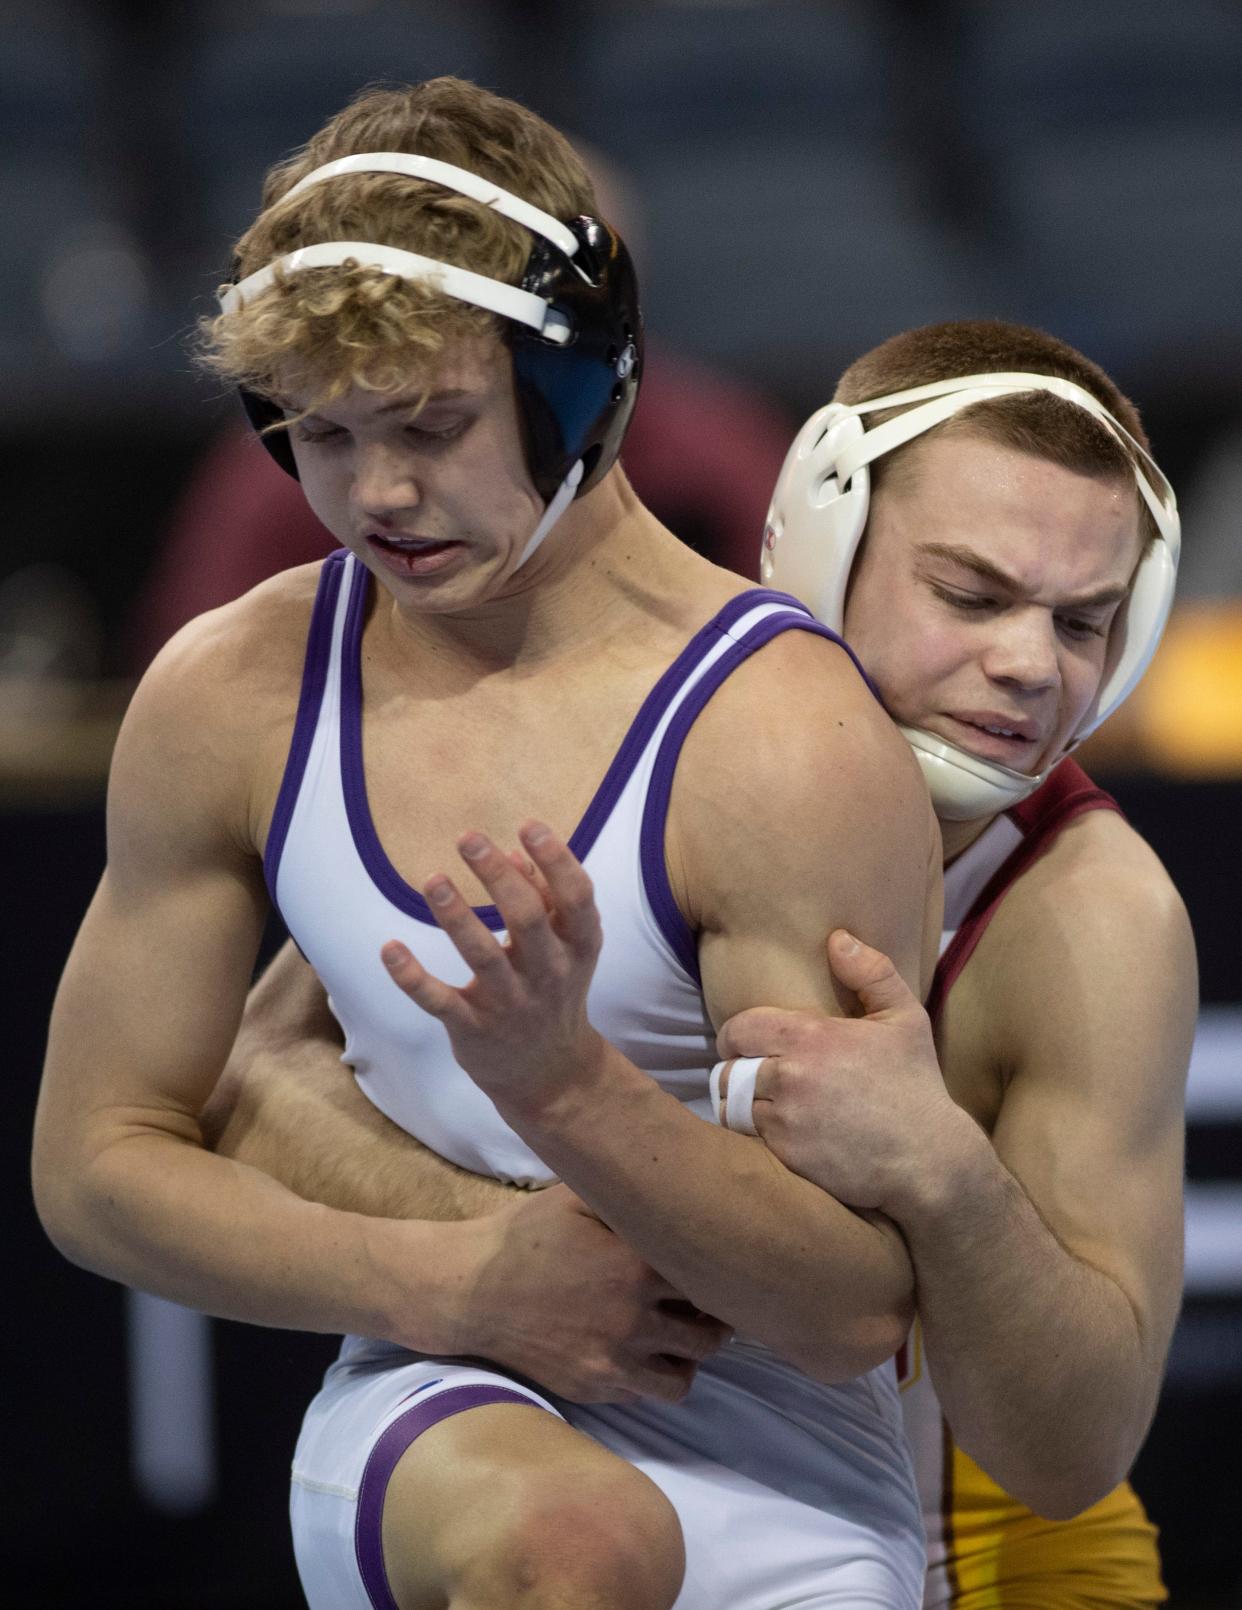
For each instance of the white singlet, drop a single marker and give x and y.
(789, 1492)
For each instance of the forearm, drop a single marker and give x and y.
(1038, 1358)
(292, 1111)
(725, 1222)
(153, 1210)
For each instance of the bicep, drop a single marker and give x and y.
(148, 1004)
(153, 988)
(827, 826)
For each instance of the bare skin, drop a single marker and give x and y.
(489, 1507)
(461, 661)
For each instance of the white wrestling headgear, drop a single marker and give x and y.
(576, 306)
(816, 521)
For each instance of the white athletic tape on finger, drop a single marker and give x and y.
(735, 1111)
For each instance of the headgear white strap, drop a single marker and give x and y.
(509, 301)
(943, 398)
(735, 1110)
(557, 504)
(452, 178)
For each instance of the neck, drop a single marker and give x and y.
(607, 560)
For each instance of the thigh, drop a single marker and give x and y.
(409, 1476)
(353, 1433)
(503, 1499)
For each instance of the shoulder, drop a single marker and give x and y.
(1093, 944)
(259, 633)
(237, 651)
(797, 726)
(795, 789)
(1099, 878)
(205, 707)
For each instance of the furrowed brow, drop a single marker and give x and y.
(955, 554)
(1098, 599)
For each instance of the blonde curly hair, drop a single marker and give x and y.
(325, 330)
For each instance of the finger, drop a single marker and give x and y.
(767, 1080)
(528, 869)
(695, 1338)
(870, 974)
(474, 942)
(425, 990)
(731, 1086)
(764, 1031)
(520, 904)
(570, 887)
(666, 1378)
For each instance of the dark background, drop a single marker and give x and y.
(810, 177)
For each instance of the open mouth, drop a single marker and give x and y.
(993, 740)
(412, 556)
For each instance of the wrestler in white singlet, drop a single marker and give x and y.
(788, 1491)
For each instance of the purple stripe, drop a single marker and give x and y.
(314, 676)
(382, 1461)
(667, 912)
(371, 852)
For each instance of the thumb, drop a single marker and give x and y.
(869, 973)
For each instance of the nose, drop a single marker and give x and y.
(384, 482)
(1023, 652)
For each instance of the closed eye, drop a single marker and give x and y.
(421, 433)
(964, 601)
(1082, 630)
(302, 432)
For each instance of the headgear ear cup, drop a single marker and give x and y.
(814, 523)
(262, 414)
(576, 399)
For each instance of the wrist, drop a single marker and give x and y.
(573, 1085)
(951, 1162)
(425, 1272)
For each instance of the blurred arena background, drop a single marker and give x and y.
(802, 178)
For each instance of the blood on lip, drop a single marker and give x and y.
(406, 544)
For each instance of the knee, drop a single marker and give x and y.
(612, 1541)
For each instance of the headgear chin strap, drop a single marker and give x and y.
(575, 329)
(816, 521)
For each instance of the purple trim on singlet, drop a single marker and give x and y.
(310, 700)
(371, 852)
(382, 1461)
(667, 912)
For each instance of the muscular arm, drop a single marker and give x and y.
(1047, 1259)
(144, 1016)
(1049, 1262)
(850, 839)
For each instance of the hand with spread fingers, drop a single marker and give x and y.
(520, 1027)
(855, 1104)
